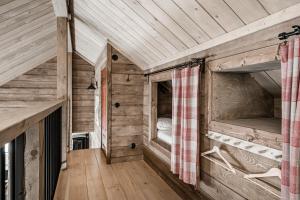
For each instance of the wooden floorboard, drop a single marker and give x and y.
(88, 177)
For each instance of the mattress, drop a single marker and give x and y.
(165, 136)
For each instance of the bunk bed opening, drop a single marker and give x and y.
(164, 114)
(246, 103)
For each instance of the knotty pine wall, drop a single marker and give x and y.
(126, 120)
(38, 84)
(83, 99)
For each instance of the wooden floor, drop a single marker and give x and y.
(89, 177)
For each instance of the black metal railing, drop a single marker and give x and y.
(17, 168)
(52, 152)
(3, 173)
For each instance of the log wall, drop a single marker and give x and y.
(38, 84)
(126, 124)
(215, 181)
(83, 99)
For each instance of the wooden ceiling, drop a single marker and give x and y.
(148, 32)
(88, 43)
(27, 36)
(151, 31)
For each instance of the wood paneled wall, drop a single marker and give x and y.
(215, 181)
(38, 84)
(83, 99)
(126, 120)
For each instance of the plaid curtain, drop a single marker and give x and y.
(290, 181)
(185, 124)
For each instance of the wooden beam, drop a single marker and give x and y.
(258, 30)
(32, 163)
(60, 8)
(62, 81)
(69, 100)
(109, 103)
(62, 57)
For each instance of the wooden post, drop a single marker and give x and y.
(109, 105)
(70, 68)
(69, 124)
(62, 79)
(34, 162)
(153, 110)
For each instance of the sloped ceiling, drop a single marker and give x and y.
(27, 36)
(88, 43)
(149, 31)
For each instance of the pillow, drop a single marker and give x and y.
(164, 124)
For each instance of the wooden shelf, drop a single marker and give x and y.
(264, 131)
(271, 125)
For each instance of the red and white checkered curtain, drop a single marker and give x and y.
(185, 124)
(290, 166)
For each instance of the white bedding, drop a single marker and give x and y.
(165, 136)
(164, 124)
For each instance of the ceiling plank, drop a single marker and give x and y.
(142, 35)
(222, 13)
(103, 28)
(277, 5)
(163, 42)
(183, 20)
(27, 36)
(248, 10)
(23, 27)
(60, 8)
(153, 22)
(167, 21)
(262, 24)
(12, 4)
(87, 42)
(114, 27)
(201, 17)
(20, 9)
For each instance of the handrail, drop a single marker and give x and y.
(14, 121)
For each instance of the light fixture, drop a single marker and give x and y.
(94, 84)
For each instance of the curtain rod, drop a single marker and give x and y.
(193, 62)
(286, 35)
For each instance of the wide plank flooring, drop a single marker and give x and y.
(89, 177)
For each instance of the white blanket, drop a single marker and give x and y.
(165, 136)
(164, 124)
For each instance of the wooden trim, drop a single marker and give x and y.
(109, 104)
(63, 80)
(162, 76)
(70, 94)
(247, 60)
(153, 110)
(254, 135)
(62, 57)
(153, 83)
(60, 8)
(21, 119)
